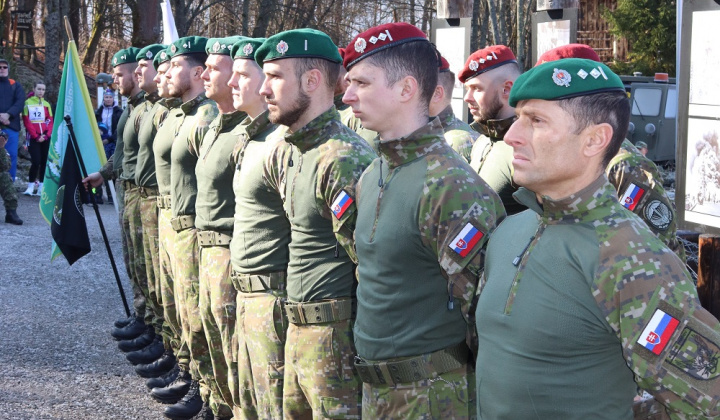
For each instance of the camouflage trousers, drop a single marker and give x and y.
(217, 311)
(149, 221)
(132, 232)
(187, 298)
(169, 289)
(450, 395)
(7, 188)
(260, 331)
(120, 194)
(320, 380)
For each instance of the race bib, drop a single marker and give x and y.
(36, 113)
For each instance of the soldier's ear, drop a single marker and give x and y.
(408, 88)
(597, 138)
(506, 87)
(311, 80)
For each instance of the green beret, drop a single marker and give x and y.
(566, 78)
(221, 45)
(149, 52)
(246, 48)
(187, 45)
(161, 57)
(298, 43)
(128, 55)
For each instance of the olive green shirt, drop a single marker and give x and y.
(131, 144)
(262, 231)
(215, 202)
(145, 167)
(193, 123)
(118, 156)
(162, 145)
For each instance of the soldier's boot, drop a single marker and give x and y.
(137, 343)
(147, 354)
(189, 406)
(123, 322)
(205, 413)
(163, 380)
(158, 367)
(130, 331)
(11, 216)
(174, 391)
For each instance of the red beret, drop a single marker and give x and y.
(568, 51)
(486, 59)
(342, 52)
(444, 65)
(380, 38)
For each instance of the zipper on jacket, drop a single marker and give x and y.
(382, 186)
(519, 262)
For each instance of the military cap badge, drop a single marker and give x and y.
(173, 49)
(163, 55)
(474, 65)
(186, 45)
(360, 45)
(114, 60)
(582, 73)
(149, 54)
(248, 49)
(282, 47)
(561, 77)
(216, 46)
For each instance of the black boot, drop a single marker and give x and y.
(163, 380)
(188, 406)
(138, 343)
(11, 216)
(123, 322)
(130, 331)
(174, 391)
(158, 367)
(147, 354)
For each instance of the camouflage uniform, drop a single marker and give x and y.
(630, 169)
(197, 114)
(166, 123)
(312, 169)
(415, 205)
(259, 255)
(492, 159)
(580, 304)
(7, 187)
(215, 208)
(459, 135)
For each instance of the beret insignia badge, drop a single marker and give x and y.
(360, 45)
(561, 77)
(282, 47)
(247, 49)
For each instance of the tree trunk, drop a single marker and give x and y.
(262, 20)
(99, 24)
(245, 17)
(146, 23)
(5, 19)
(74, 18)
(53, 31)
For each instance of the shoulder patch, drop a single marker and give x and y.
(466, 240)
(658, 331)
(696, 355)
(341, 204)
(658, 215)
(632, 196)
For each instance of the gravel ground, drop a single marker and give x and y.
(57, 356)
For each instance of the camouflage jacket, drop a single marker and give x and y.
(197, 114)
(492, 159)
(639, 188)
(580, 302)
(166, 124)
(315, 169)
(459, 135)
(424, 217)
(131, 133)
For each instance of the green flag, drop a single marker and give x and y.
(73, 100)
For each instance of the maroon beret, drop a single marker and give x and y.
(380, 38)
(341, 50)
(444, 65)
(568, 51)
(486, 59)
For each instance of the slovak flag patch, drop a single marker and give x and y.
(658, 331)
(632, 197)
(341, 204)
(466, 240)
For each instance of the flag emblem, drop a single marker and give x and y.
(341, 204)
(466, 240)
(658, 332)
(632, 197)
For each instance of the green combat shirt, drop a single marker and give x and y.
(581, 304)
(131, 135)
(629, 170)
(262, 231)
(415, 284)
(215, 202)
(167, 124)
(459, 135)
(145, 167)
(492, 159)
(312, 169)
(122, 123)
(193, 123)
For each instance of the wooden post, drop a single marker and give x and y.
(14, 37)
(709, 273)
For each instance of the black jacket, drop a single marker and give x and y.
(12, 100)
(117, 111)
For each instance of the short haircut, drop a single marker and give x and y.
(328, 69)
(39, 82)
(607, 107)
(417, 59)
(196, 59)
(446, 79)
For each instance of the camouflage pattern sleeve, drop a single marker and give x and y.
(205, 115)
(456, 217)
(462, 142)
(669, 341)
(346, 158)
(275, 166)
(107, 169)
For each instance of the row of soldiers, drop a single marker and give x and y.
(307, 230)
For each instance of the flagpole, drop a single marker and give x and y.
(73, 141)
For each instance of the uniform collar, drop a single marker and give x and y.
(171, 103)
(134, 100)
(587, 205)
(446, 116)
(188, 106)
(152, 97)
(494, 129)
(258, 125)
(421, 142)
(339, 104)
(230, 120)
(312, 133)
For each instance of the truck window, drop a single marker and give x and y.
(646, 102)
(671, 103)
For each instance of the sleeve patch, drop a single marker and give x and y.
(658, 215)
(466, 240)
(341, 204)
(632, 196)
(696, 355)
(658, 331)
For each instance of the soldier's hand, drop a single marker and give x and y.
(93, 180)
